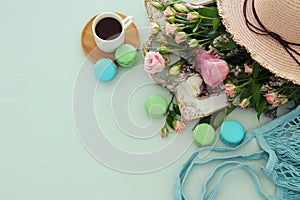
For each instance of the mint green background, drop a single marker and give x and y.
(41, 156)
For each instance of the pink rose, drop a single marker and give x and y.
(170, 29)
(154, 62)
(213, 70)
(203, 55)
(178, 126)
(248, 70)
(229, 89)
(271, 97)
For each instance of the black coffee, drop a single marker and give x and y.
(108, 28)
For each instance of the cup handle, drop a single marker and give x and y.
(127, 21)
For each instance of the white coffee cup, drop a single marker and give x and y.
(110, 44)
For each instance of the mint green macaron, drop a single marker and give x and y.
(156, 105)
(126, 55)
(204, 134)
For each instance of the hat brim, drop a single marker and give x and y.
(264, 49)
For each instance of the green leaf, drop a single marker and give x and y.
(197, 25)
(172, 113)
(229, 109)
(255, 71)
(216, 23)
(255, 93)
(219, 118)
(212, 34)
(208, 12)
(176, 109)
(225, 43)
(247, 92)
(261, 107)
(170, 121)
(205, 120)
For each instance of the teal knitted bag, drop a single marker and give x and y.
(280, 144)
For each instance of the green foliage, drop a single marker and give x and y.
(252, 82)
(211, 12)
(261, 107)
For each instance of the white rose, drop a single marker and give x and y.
(194, 84)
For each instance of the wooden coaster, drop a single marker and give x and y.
(90, 48)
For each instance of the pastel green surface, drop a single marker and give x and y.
(156, 105)
(126, 55)
(41, 155)
(204, 134)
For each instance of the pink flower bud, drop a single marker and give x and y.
(164, 132)
(154, 28)
(245, 102)
(178, 126)
(170, 29)
(283, 101)
(229, 89)
(271, 97)
(190, 6)
(193, 43)
(248, 70)
(180, 37)
(192, 16)
(168, 12)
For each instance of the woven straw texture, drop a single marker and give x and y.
(281, 17)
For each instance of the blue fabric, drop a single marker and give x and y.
(280, 144)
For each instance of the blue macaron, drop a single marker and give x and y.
(232, 132)
(105, 69)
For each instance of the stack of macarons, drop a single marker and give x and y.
(105, 69)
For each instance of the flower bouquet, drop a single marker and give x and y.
(191, 53)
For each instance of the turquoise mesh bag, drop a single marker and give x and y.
(280, 147)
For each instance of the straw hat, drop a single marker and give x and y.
(268, 36)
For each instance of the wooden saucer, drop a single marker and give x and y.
(90, 48)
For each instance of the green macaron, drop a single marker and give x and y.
(126, 55)
(204, 134)
(156, 105)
